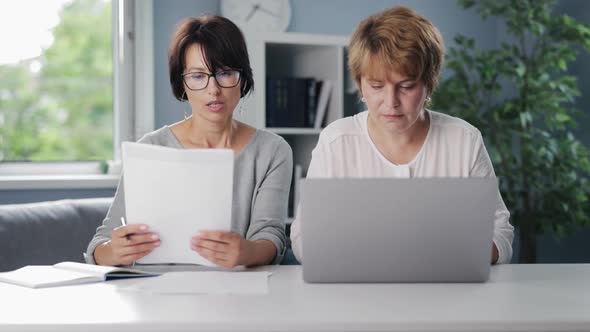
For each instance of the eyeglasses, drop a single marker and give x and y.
(199, 81)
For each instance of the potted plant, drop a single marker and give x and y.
(521, 97)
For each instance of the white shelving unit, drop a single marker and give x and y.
(300, 56)
(295, 55)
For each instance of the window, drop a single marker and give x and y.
(56, 99)
(66, 84)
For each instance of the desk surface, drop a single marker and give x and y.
(517, 298)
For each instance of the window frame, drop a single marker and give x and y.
(133, 85)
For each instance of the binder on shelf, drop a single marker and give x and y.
(271, 98)
(296, 103)
(281, 103)
(288, 102)
(322, 105)
(310, 106)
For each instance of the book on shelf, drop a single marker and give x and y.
(322, 104)
(312, 99)
(286, 100)
(67, 273)
(297, 95)
(295, 102)
(273, 86)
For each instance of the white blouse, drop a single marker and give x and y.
(452, 148)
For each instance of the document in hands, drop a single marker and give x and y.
(177, 192)
(67, 273)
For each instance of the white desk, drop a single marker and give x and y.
(517, 298)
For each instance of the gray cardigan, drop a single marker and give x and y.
(262, 179)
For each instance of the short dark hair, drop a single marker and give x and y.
(223, 46)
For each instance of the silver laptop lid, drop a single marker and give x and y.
(397, 230)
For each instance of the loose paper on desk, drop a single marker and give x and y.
(206, 282)
(177, 192)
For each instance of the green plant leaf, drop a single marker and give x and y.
(520, 70)
(562, 118)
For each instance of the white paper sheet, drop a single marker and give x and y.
(177, 192)
(209, 282)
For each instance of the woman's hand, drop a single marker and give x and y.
(128, 244)
(225, 249)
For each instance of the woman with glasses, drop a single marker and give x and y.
(209, 68)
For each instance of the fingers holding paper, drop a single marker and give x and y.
(225, 249)
(132, 242)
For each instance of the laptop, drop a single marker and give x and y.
(397, 230)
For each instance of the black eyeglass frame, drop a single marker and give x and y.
(214, 75)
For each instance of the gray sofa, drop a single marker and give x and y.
(48, 232)
(51, 232)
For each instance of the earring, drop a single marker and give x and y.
(428, 99)
(241, 110)
(363, 100)
(186, 114)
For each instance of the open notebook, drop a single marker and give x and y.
(67, 273)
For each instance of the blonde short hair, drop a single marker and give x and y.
(401, 40)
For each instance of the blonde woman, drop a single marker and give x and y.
(395, 57)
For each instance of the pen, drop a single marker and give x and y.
(124, 223)
(128, 236)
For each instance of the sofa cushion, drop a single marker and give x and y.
(48, 232)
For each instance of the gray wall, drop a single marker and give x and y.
(309, 16)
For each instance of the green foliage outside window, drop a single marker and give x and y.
(522, 99)
(64, 111)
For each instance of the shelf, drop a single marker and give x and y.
(295, 55)
(296, 131)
